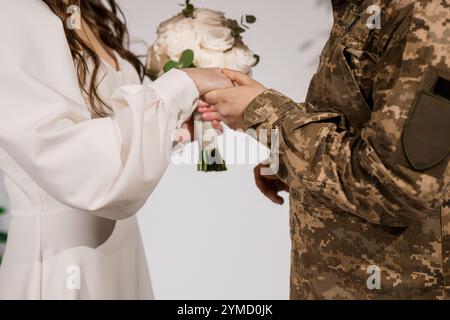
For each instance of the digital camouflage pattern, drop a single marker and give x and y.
(357, 198)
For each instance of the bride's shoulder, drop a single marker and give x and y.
(27, 16)
(35, 39)
(30, 30)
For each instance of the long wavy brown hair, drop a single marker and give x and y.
(108, 22)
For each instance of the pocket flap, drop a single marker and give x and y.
(426, 138)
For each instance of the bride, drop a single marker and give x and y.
(82, 146)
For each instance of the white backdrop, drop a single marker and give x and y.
(235, 244)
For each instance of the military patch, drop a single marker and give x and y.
(426, 138)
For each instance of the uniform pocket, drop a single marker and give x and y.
(346, 90)
(426, 137)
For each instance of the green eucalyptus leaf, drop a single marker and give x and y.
(2, 210)
(187, 59)
(250, 18)
(3, 237)
(170, 65)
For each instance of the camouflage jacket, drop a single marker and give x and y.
(366, 157)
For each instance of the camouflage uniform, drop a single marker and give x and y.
(366, 157)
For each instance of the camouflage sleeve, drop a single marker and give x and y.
(383, 173)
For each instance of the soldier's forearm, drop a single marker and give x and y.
(320, 155)
(274, 111)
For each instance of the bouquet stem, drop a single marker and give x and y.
(210, 159)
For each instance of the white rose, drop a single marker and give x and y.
(160, 45)
(213, 34)
(215, 38)
(204, 58)
(156, 61)
(179, 37)
(240, 58)
(209, 17)
(169, 24)
(205, 34)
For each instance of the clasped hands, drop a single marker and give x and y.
(225, 94)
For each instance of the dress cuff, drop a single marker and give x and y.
(177, 90)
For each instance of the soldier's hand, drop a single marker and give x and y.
(230, 103)
(269, 185)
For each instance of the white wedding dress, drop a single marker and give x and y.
(75, 183)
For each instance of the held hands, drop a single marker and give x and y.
(225, 100)
(226, 94)
(186, 134)
(206, 80)
(229, 104)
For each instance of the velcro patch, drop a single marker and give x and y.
(426, 138)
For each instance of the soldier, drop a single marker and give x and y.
(366, 157)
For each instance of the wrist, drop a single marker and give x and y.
(178, 91)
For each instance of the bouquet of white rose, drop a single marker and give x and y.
(202, 38)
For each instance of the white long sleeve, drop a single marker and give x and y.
(106, 166)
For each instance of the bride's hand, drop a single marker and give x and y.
(186, 132)
(210, 113)
(208, 79)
